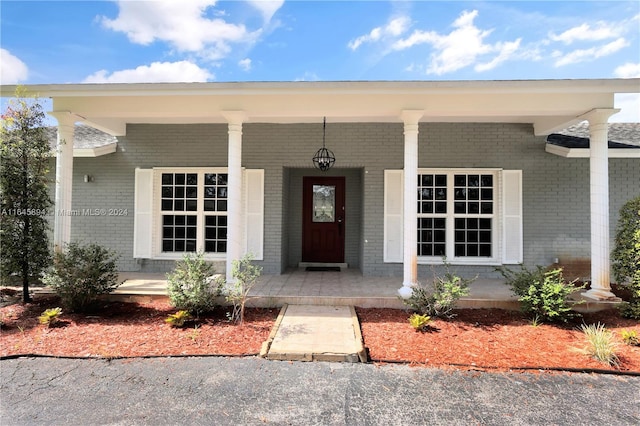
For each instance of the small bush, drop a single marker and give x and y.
(419, 322)
(50, 317)
(630, 337)
(192, 285)
(178, 319)
(625, 258)
(601, 344)
(82, 273)
(246, 275)
(626, 255)
(543, 295)
(521, 280)
(441, 298)
(630, 309)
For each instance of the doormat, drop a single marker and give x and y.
(323, 268)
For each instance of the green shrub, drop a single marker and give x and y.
(193, 286)
(521, 280)
(246, 275)
(626, 255)
(601, 344)
(630, 309)
(543, 295)
(50, 317)
(419, 322)
(441, 298)
(81, 273)
(625, 258)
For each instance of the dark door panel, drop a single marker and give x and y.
(323, 222)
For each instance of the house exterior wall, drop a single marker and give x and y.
(555, 200)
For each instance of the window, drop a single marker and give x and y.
(473, 217)
(456, 214)
(180, 210)
(193, 212)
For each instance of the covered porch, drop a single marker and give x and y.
(346, 288)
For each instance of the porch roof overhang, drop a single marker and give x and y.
(549, 105)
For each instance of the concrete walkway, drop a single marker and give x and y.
(316, 333)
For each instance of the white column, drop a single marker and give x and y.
(64, 179)
(234, 200)
(410, 214)
(599, 196)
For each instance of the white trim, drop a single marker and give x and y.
(565, 152)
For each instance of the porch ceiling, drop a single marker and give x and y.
(549, 105)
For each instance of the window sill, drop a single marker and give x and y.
(179, 256)
(459, 262)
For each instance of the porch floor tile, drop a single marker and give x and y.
(348, 287)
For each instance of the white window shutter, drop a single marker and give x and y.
(512, 217)
(143, 212)
(393, 215)
(254, 202)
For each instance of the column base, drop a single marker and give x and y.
(406, 291)
(601, 294)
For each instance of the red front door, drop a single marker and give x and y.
(323, 226)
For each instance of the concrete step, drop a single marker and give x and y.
(316, 333)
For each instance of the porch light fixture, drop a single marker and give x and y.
(324, 157)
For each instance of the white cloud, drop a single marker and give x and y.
(12, 69)
(629, 104)
(267, 7)
(245, 64)
(506, 51)
(584, 32)
(582, 55)
(157, 72)
(628, 70)
(183, 24)
(395, 28)
(462, 47)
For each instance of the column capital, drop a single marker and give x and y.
(234, 117)
(599, 115)
(411, 116)
(65, 118)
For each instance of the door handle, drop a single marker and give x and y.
(340, 226)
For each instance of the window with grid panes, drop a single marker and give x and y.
(456, 214)
(194, 212)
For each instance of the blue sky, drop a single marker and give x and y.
(205, 40)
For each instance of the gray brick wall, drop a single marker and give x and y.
(556, 191)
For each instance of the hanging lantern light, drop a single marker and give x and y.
(324, 157)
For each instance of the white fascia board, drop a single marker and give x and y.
(92, 152)
(562, 151)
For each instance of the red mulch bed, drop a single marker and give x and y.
(491, 338)
(480, 338)
(130, 329)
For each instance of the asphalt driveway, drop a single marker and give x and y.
(253, 391)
